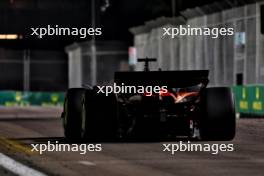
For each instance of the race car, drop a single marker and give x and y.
(182, 107)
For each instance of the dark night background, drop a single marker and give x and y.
(48, 59)
(18, 16)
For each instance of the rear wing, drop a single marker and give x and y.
(163, 78)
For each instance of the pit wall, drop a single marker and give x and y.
(226, 56)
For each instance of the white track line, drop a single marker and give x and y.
(87, 163)
(17, 168)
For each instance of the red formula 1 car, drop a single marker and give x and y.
(183, 106)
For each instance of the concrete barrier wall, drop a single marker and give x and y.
(17, 98)
(249, 99)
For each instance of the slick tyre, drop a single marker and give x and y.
(72, 121)
(218, 121)
(99, 117)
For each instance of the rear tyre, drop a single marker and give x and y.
(72, 121)
(218, 121)
(100, 117)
